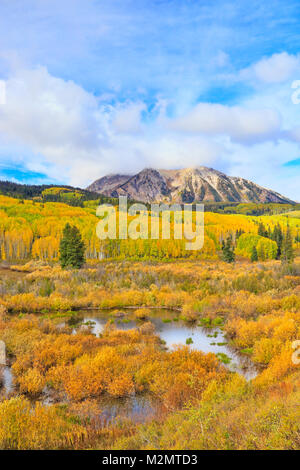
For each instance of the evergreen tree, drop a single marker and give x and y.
(71, 248)
(262, 231)
(65, 246)
(287, 254)
(277, 236)
(228, 251)
(254, 255)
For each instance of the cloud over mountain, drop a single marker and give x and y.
(120, 88)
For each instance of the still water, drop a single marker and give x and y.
(176, 333)
(172, 331)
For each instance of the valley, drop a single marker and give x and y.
(147, 343)
(101, 375)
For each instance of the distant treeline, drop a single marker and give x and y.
(250, 208)
(50, 193)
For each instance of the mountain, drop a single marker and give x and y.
(185, 186)
(107, 183)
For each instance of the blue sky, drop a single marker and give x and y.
(94, 87)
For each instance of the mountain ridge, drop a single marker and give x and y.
(187, 185)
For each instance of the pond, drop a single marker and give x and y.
(176, 333)
(172, 331)
(138, 408)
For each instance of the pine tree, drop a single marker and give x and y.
(228, 251)
(277, 236)
(262, 231)
(71, 248)
(65, 246)
(254, 255)
(287, 254)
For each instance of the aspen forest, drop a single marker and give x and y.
(31, 230)
(147, 345)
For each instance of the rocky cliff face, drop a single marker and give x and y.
(184, 186)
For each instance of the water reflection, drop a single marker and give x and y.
(138, 408)
(141, 408)
(6, 379)
(176, 333)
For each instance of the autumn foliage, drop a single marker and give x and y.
(63, 373)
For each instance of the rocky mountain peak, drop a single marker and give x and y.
(185, 185)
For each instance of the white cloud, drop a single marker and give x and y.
(241, 124)
(176, 151)
(48, 113)
(277, 68)
(265, 166)
(55, 126)
(56, 120)
(75, 137)
(127, 118)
